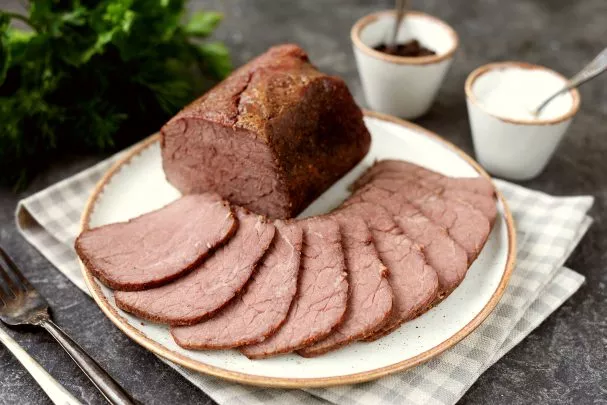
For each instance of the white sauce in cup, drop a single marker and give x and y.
(508, 140)
(514, 93)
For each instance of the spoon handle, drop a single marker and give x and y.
(597, 66)
(591, 70)
(401, 6)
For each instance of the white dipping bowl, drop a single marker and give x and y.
(508, 141)
(397, 85)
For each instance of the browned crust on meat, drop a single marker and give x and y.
(308, 158)
(156, 283)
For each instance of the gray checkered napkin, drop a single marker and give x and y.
(548, 229)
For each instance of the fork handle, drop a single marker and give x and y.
(110, 389)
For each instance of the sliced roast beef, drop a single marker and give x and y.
(465, 224)
(262, 308)
(446, 189)
(414, 283)
(401, 169)
(320, 304)
(486, 205)
(159, 246)
(441, 252)
(211, 285)
(370, 300)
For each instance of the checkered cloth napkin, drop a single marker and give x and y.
(548, 229)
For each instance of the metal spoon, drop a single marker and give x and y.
(590, 71)
(401, 9)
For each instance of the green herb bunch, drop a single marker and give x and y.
(93, 75)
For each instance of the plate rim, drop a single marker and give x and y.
(283, 382)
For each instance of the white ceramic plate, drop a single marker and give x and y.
(137, 185)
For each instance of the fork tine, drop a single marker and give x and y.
(8, 284)
(4, 290)
(5, 295)
(25, 285)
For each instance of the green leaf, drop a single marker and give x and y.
(215, 59)
(108, 22)
(118, 15)
(18, 36)
(97, 75)
(18, 43)
(75, 17)
(5, 48)
(203, 23)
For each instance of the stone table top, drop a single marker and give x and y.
(561, 362)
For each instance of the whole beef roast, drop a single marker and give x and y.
(370, 301)
(159, 246)
(465, 224)
(414, 283)
(389, 168)
(263, 306)
(320, 304)
(211, 285)
(271, 137)
(441, 252)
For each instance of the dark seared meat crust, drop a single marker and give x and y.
(271, 137)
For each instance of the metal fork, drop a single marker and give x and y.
(20, 304)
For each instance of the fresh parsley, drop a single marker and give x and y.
(92, 75)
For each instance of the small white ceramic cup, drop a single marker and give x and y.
(396, 85)
(517, 149)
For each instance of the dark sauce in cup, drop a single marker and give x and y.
(408, 49)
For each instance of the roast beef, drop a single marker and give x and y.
(486, 205)
(271, 137)
(370, 301)
(441, 252)
(476, 192)
(159, 246)
(465, 224)
(261, 308)
(211, 285)
(320, 304)
(401, 169)
(447, 189)
(414, 283)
